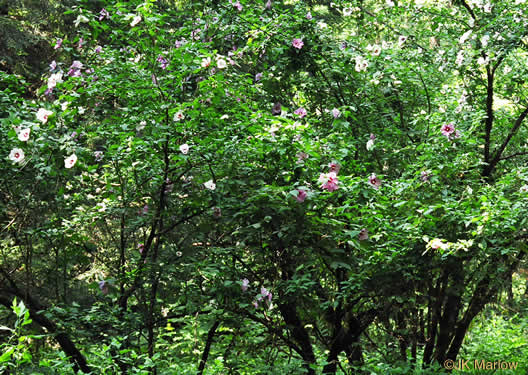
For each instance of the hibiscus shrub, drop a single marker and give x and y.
(271, 188)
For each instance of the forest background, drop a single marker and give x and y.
(280, 187)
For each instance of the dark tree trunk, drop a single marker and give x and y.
(207, 348)
(299, 334)
(66, 344)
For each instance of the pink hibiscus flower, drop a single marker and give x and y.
(301, 195)
(448, 129)
(301, 112)
(298, 43)
(374, 181)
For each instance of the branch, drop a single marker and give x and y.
(489, 116)
(489, 168)
(513, 155)
(274, 330)
(36, 313)
(207, 349)
(465, 5)
(182, 220)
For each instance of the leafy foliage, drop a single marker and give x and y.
(276, 188)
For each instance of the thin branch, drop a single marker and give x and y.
(182, 220)
(489, 168)
(207, 349)
(465, 5)
(513, 155)
(489, 116)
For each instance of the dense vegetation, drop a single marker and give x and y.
(282, 187)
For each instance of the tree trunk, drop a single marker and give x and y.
(292, 320)
(207, 348)
(66, 344)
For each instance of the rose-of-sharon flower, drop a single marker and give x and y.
(376, 50)
(374, 181)
(336, 112)
(363, 234)
(448, 130)
(54, 79)
(80, 19)
(328, 181)
(301, 195)
(141, 247)
(76, 65)
(178, 116)
(103, 14)
(425, 175)
(245, 285)
(206, 62)
(43, 114)
(16, 155)
(301, 112)
(437, 244)
(23, 135)
(309, 16)
(135, 21)
(361, 64)
(58, 44)
(103, 285)
(163, 62)
(301, 156)
(221, 64)
(334, 167)
(70, 161)
(298, 43)
(265, 293)
(210, 185)
(184, 148)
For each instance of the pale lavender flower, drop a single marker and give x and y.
(245, 285)
(103, 285)
(103, 14)
(301, 112)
